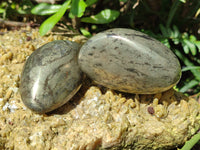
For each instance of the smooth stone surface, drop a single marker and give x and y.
(129, 61)
(51, 76)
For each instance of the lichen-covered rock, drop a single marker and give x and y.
(51, 76)
(129, 61)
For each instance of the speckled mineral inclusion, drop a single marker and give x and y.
(51, 76)
(129, 61)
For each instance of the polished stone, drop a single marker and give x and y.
(129, 61)
(51, 76)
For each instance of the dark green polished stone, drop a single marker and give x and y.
(129, 61)
(51, 76)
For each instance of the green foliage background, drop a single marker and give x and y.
(176, 23)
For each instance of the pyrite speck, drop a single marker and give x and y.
(129, 61)
(51, 76)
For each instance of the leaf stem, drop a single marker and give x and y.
(189, 144)
(172, 12)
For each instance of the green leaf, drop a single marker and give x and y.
(185, 48)
(183, 1)
(187, 62)
(45, 9)
(166, 43)
(185, 35)
(176, 32)
(2, 10)
(13, 5)
(189, 144)
(85, 32)
(189, 85)
(90, 2)
(24, 7)
(192, 38)
(191, 46)
(176, 41)
(78, 8)
(164, 31)
(51, 21)
(172, 12)
(21, 11)
(197, 43)
(190, 68)
(105, 16)
(170, 33)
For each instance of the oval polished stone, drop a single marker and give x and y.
(51, 76)
(129, 61)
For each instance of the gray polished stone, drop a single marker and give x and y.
(129, 61)
(51, 76)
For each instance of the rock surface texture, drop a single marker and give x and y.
(51, 76)
(94, 119)
(129, 61)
